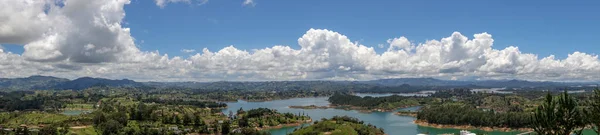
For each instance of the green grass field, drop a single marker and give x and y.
(79, 107)
(35, 118)
(83, 131)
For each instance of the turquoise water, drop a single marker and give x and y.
(391, 123)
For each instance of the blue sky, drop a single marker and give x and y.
(540, 27)
(260, 40)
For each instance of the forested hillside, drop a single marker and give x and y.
(339, 125)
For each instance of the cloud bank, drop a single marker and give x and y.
(85, 38)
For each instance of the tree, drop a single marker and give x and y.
(225, 127)
(188, 119)
(592, 114)
(240, 111)
(22, 131)
(49, 130)
(176, 119)
(120, 117)
(64, 129)
(243, 122)
(198, 121)
(110, 127)
(560, 117)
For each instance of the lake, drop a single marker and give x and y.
(391, 123)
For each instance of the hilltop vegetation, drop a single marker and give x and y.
(339, 125)
(460, 114)
(31, 83)
(369, 103)
(54, 83)
(462, 107)
(555, 113)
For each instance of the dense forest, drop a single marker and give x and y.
(464, 107)
(459, 114)
(339, 125)
(553, 114)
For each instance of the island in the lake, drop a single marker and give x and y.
(310, 107)
(367, 104)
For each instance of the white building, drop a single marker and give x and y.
(465, 132)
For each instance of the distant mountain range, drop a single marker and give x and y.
(33, 82)
(54, 83)
(484, 83)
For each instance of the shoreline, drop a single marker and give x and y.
(409, 114)
(469, 127)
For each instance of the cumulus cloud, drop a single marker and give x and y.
(326, 54)
(22, 21)
(249, 3)
(86, 38)
(188, 50)
(87, 31)
(399, 43)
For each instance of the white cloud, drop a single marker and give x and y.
(249, 3)
(325, 54)
(53, 33)
(163, 3)
(401, 43)
(86, 38)
(188, 50)
(22, 21)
